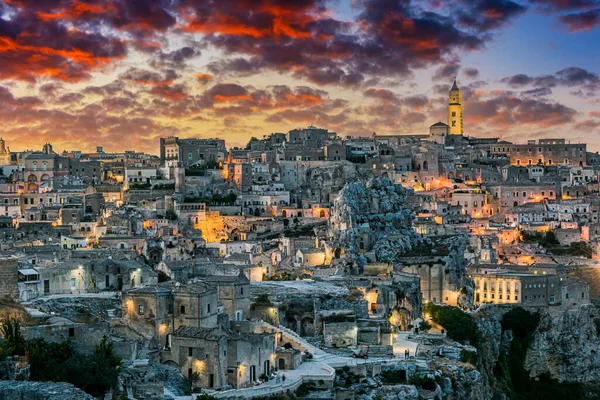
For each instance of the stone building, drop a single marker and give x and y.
(249, 356)
(542, 152)
(9, 278)
(234, 294)
(202, 351)
(195, 304)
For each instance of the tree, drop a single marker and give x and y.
(189, 382)
(171, 215)
(424, 326)
(14, 341)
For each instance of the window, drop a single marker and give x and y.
(208, 308)
(190, 351)
(141, 309)
(182, 309)
(71, 332)
(73, 281)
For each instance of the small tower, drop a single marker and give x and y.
(2, 146)
(455, 110)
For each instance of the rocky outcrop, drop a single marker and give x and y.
(372, 218)
(11, 390)
(566, 346)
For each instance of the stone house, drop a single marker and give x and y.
(195, 304)
(234, 294)
(310, 257)
(200, 350)
(288, 358)
(147, 311)
(249, 356)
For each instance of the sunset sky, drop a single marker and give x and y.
(122, 73)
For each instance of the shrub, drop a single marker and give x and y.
(459, 325)
(468, 357)
(14, 341)
(424, 326)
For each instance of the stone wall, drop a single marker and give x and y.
(340, 334)
(9, 278)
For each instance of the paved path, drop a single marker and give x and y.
(321, 368)
(103, 295)
(402, 344)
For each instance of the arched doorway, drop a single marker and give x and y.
(307, 327)
(252, 373)
(267, 367)
(337, 253)
(284, 213)
(322, 214)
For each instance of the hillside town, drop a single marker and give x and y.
(307, 264)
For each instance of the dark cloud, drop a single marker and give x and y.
(471, 72)
(581, 21)
(577, 15)
(50, 49)
(504, 110)
(537, 92)
(146, 77)
(381, 94)
(574, 77)
(485, 15)
(446, 72)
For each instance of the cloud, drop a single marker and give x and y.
(446, 72)
(581, 21)
(504, 110)
(572, 77)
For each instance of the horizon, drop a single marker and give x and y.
(83, 74)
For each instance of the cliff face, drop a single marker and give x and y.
(566, 346)
(372, 218)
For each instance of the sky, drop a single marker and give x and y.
(122, 73)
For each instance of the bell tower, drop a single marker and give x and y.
(455, 110)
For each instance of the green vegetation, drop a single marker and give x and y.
(424, 326)
(468, 357)
(545, 239)
(304, 389)
(189, 382)
(205, 396)
(263, 300)
(140, 186)
(58, 362)
(459, 325)
(14, 342)
(549, 241)
(574, 249)
(164, 186)
(200, 170)
(171, 215)
(215, 198)
(510, 370)
(282, 276)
